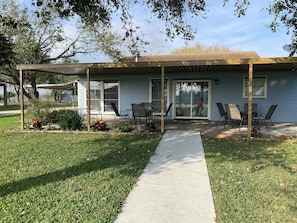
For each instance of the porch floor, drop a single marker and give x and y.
(216, 129)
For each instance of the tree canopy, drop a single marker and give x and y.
(26, 39)
(173, 12)
(200, 48)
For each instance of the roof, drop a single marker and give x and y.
(207, 62)
(193, 56)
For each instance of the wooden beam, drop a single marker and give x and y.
(162, 99)
(250, 99)
(88, 100)
(22, 101)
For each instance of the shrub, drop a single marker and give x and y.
(52, 117)
(98, 124)
(126, 128)
(70, 120)
(151, 125)
(37, 123)
(38, 110)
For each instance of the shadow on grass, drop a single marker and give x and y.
(128, 161)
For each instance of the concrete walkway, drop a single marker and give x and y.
(174, 186)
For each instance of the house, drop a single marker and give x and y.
(192, 82)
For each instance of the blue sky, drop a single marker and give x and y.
(250, 32)
(220, 27)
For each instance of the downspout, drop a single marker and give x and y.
(250, 99)
(162, 99)
(88, 100)
(22, 101)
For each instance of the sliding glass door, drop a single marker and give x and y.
(191, 99)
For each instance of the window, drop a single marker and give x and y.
(156, 94)
(259, 87)
(102, 94)
(191, 99)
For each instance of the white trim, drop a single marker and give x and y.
(102, 81)
(168, 89)
(254, 77)
(209, 99)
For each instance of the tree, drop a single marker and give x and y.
(199, 48)
(173, 12)
(6, 53)
(285, 12)
(42, 42)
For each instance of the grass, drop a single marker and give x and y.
(85, 177)
(10, 107)
(253, 180)
(68, 177)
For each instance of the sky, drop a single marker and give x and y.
(220, 27)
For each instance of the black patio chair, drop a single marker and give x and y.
(159, 114)
(254, 109)
(117, 114)
(139, 112)
(267, 117)
(254, 112)
(223, 113)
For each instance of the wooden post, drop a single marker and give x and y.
(162, 99)
(250, 99)
(22, 101)
(5, 94)
(88, 99)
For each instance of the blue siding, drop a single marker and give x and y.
(134, 89)
(281, 90)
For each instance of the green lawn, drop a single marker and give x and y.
(253, 180)
(68, 177)
(9, 107)
(85, 177)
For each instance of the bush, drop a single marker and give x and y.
(38, 110)
(125, 128)
(99, 125)
(52, 117)
(70, 120)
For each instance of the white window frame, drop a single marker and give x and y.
(264, 87)
(102, 99)
(151, 90)
(209, 98)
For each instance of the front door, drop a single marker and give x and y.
(191, 99)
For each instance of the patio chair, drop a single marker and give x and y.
(147, 107)
(234, 114)
(223, 113)
(267, 117)
(254, 108)
(117, 114)
(159, 114)
(254, 111)
(138, 112)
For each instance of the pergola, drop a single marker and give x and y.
(161, 65)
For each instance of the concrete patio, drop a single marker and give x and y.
(216, 129)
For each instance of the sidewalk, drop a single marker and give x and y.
(174, 186)
(9, 113)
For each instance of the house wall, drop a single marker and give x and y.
(281, 90)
